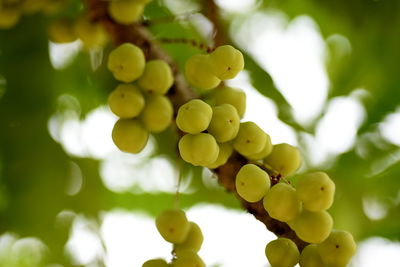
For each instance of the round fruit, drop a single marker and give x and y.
(310, 257)
(126, 62)
(250, 139)
(187, 258)
(282, 203)
(92, 34)
(252, 183)
(284, 158)
(198, 149)
(61, 31)
(226, 62)
(337, 249)
(193, 241)
(130, 135)
(125, 11)
(264, 152)
(126, 101)
(312, 227)
(224, 124)
(282, 252)
(9, 17)
(194, 116)
(198, 73)
(173, 225)
(225, 151)
(155, 263)
(316, 190)
(157, 77)
(228, 95)
(157, 114)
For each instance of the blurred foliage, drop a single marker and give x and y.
(35, 170)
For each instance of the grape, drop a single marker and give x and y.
(193, 241)
(310, 257)
(282, 203)
(157, 77)
(188, 258)
(125, 11)
(228, 95)
(224, 124)
(316, 191)
(225, 151)
(126, 62)
(9, 17)
(130, 135)
(155, 263)
(264, 152)
(126, 101)
(32, 6)
(337, 249)
(61, 31)
(194, 116)
(157, 114)
(312, 227)
(198, 73)
(252, 183)
(226, 62)
(198, 149)
(282, 252)
(173, 225)
(250, 139)
(92, 34)
(284, 159)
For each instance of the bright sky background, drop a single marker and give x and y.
(293, 52)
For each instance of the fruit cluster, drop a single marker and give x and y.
(302, 207)
(335, 251)
(205, 71)
(143, 106)
(12, 10)
(185, 236)
(90, 32)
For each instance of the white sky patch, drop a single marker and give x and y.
(294, 54)
(337, 130)
(231, 238)
(377, 251)
(236, 5)
(61, 55)
(28, 251)
(131, 239)
(181, 7)
(373, 208)
(84, 245)
(263, 111)
(122, 173)
(90, 137)
(390, 128)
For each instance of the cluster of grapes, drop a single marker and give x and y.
(185, 236)
(91, 33)
(210, 130)
(302, 207)
(142, 107)
(205, 71)
(335, 251)
(12, 10)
